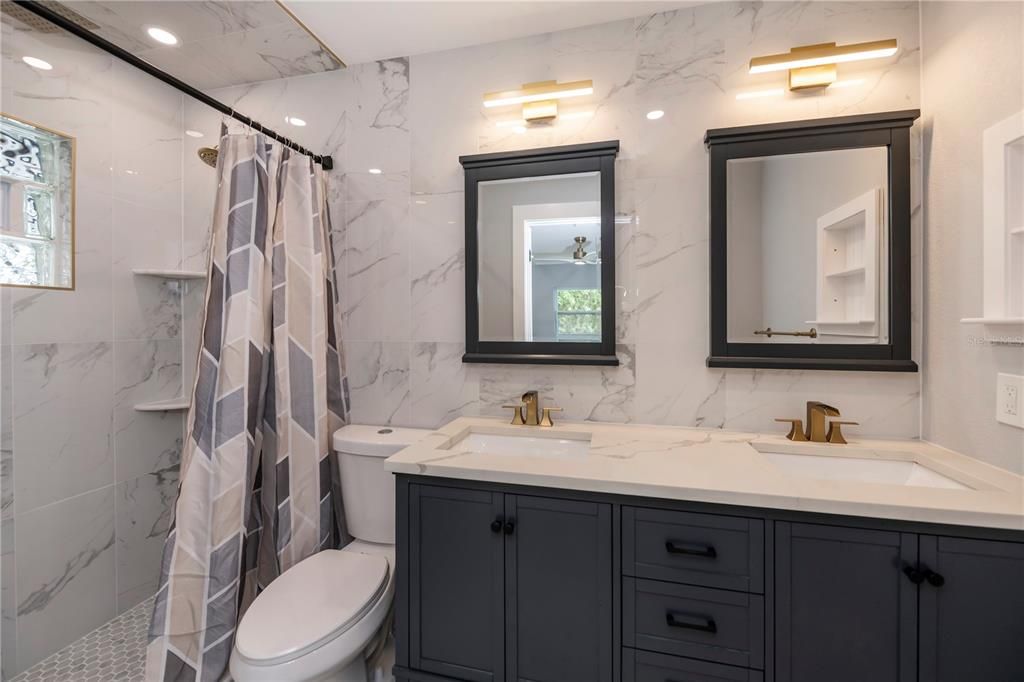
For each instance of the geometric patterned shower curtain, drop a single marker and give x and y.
(258, 489)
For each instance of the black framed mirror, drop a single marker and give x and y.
(540, 255)
(810, 244)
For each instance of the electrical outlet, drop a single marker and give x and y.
(1009, 394)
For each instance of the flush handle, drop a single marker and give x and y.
(691, 549)
(691, 622)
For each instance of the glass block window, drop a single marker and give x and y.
(578, 312)
(36, 206)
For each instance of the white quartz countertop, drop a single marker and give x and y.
(706, 465)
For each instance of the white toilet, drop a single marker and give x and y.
(317, 620)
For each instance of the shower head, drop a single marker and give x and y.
(208, 156)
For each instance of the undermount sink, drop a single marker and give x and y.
(515, 445)
(862, 469)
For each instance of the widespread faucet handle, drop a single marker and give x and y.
(545, 419)
(796, 429)
(835, 431)
(517, 416)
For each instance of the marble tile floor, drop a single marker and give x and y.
(113, 652)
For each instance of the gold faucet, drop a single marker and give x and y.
(817, 413)
(526, 413)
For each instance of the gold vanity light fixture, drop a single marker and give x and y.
(814, 66)
(540, 99)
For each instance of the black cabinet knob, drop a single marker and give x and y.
(496, 525)
(510, 526)
(916, 576)
(934, 579)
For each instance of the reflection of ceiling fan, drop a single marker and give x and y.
(580, 256)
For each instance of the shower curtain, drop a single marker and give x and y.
(258, 490)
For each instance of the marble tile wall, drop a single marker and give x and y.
(399, 234)
(87, 482)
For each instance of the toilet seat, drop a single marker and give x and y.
(316, 601)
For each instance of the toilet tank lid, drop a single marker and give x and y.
(375, 441)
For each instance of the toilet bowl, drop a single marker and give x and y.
(316, 621)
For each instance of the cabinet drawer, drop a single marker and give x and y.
(698, 622)
(647, 666)
(697, 549)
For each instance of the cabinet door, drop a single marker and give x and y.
(972, 615)
(456, 589)
(558, 590)
(845, 612)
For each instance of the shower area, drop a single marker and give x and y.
(99, 339)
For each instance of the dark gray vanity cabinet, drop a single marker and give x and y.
(971, 610)
(844, 610)
(500, 582)
(509, 587)
(456, 584)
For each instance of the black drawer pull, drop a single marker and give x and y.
(496, 524)
(691, 549)
(510, 526)
(912, 572)
(690, 622)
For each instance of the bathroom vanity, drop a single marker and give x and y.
(604, 552)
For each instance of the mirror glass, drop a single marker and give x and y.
(540, 258)
(807, 238)
(36, 206)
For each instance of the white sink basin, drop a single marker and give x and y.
(517, 446)
(863, 469)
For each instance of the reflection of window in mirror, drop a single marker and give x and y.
(806, 240)
(36, 206)
(578, 313)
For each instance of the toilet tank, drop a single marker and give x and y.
(367, 488)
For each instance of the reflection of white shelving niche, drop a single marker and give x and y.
(1003, 268)
(847, 269)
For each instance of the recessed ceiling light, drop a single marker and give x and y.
(655, 115)
(193, 133)
(375, 171)
(295, 121)
(162, 35)
(37, 63)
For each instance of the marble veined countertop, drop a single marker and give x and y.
(707, 465)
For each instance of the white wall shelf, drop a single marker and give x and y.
(1002, 313)
(847, 272)
(169, 274)
(172, 405)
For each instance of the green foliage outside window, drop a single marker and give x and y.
(579, 314)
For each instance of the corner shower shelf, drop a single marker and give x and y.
(172, 405)
(170, 274)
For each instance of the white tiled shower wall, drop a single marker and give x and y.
(399, 235)
(88, 482)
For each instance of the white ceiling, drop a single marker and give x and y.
(366, 31)
(221, 42)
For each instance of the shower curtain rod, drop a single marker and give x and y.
(85, 34)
